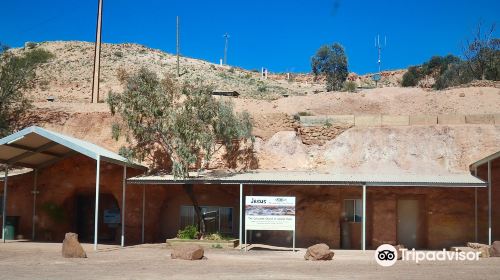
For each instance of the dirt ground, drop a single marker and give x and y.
(27, 260)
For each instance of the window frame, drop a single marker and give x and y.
(193, 217)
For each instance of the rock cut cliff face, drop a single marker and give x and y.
(281, 142)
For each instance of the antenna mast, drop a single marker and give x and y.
(226, 36)
(379, 47)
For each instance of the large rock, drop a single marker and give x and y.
(481, 248)
(71, 248)
(495, 249)
(319, 252)
(187, 252)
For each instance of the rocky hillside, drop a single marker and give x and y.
(273, 103)
(68, 77)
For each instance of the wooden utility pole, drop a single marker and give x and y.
(97, 55)
(178, 67)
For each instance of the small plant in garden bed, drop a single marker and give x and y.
(189, 232)
(216, 236)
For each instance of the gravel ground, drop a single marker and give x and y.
(27, 260)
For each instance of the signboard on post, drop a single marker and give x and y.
(270, 213)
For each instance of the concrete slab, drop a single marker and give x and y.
(368, 120)
(331, 119)
(451, 119)
(423, 120)
(395, 120)
(480, 119)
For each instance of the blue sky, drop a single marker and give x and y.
(279, 35)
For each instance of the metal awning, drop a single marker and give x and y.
(35, 147)
(484, 160)
(315, 178)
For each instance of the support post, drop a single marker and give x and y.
(4, 204)
(241, 216)
(363, 230)
(475, 209)
(124, 184)
(489, 202)
(96, 215)
(35, 193)
(293, 242)
(143, 210)
(246, 245)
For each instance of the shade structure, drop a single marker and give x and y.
(36, 148)
(316, 178)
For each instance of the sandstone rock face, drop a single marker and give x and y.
(495, 249)
(319, 252)
(187, 252)
(71, 248)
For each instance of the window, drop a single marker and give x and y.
(217, 219)
(353, 210)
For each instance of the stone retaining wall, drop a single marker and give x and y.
(397, 120)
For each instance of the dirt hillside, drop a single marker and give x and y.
(413, 149)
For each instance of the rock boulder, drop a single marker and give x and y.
(481, 248)
(319, 252)
(187, 252)
(71, 248)
(495, 249)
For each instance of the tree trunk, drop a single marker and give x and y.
(188, 188)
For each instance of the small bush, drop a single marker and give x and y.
(30, 45)
(118, 54)
(115, 130)
(231, 70)
(328, 124)
(455, 74)
(261, 87)
(216, 237)
(411, 77)
(350, 86)
(37, 56)
(189, 232)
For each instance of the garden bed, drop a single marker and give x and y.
(221, 244)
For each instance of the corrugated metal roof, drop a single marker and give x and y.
(485, 160)
(35, 147)
(316, 178)
(15, 172)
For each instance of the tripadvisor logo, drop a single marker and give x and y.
(387, 255)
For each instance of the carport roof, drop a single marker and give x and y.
(485, 160)
(316, 178)
(36, 147)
